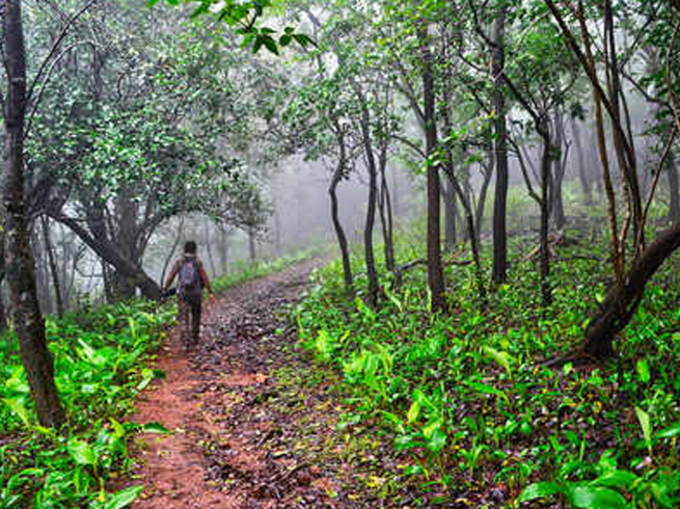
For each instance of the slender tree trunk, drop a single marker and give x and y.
(481, 204)
(500, 263)
(371, 271)
(179, 235)
(208, 247)
(54, 271)
(449, 197)
(470, 223)
(560, 168)
(251, 245)
(385, 208)
(435, 274)
(674, 207)
(339, 231)
(582, 174)
(546, 200)
(27, 318)
(223, 249)
(41, 272)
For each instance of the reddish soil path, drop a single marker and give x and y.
(211, 461)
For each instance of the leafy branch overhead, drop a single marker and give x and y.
(244, 18)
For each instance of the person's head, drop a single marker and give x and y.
(190, 247)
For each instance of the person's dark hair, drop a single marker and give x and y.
(190, 247)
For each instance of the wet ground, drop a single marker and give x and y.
(253, 422)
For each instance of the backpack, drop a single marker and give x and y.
(189, 277)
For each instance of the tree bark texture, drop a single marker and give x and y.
(500, 263)
(339, 231)
(25, 311)
(371, 206)
(449, 198)
(435, 274)
(386, 216)
(673, 187)
(54, 270)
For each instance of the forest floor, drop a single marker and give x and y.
(253, 423)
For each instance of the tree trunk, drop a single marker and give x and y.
(560, 168)
(582, 174)
(622, 301)
(435, 274)
(27, 318)
(386, 218)
(127, 211)
(481, 204)
(252, 252)
(54, 271)
(339, 231)
(546, 199)
(371, 271)
(500, 261)
(449, 197)
(3, 314)
(109, 253)
(674, 205)
(470, 223)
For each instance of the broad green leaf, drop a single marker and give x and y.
(154, 427)
(17, 406)
(81, 452)
(670, 432)
(593, 497)
(487, 389)
(501, 358)
(437, 441)
(123, 498)
(646, 425)
(539, 490)
(414, 411)
(643, 371)
(616, 479)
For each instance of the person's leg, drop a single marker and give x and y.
(195, 318)
(183, 319)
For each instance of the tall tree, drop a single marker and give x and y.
(500, 142)
(28, 320)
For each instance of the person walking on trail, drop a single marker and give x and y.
(191, 279)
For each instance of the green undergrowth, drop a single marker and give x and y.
(467, 404)
(101, 358)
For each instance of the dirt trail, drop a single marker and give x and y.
(227, 449)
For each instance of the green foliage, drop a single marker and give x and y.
(243, 17)
(467, 406)
(100, 359)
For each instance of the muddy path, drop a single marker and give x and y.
(253, 422)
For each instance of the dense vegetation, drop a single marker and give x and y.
(518, 345)
(470, 407)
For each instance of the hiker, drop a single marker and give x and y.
(191, 279)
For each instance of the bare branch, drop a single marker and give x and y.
(55, 48)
